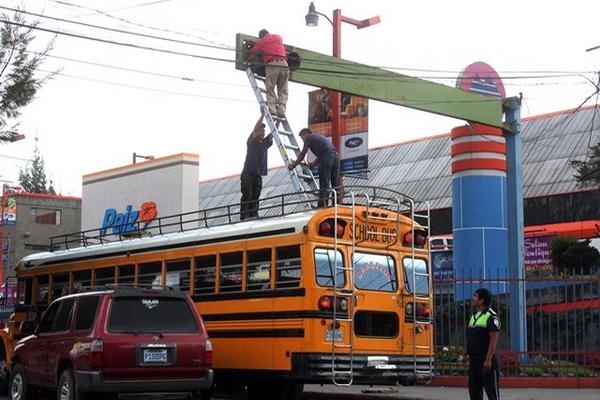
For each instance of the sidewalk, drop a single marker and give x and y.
(317, 392)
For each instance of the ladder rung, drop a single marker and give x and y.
(343, 319)
(343, 294)
(382, 203)
(284, 132)
(258, 77)
(342, 346)
(421, 274)
(348, 372)
(291, 147)
(305, 176)
(383, 233)
(421, 298)
(381, 218)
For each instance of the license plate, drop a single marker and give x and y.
(155, 356)
(329, 335)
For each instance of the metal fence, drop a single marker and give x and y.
(562, 322)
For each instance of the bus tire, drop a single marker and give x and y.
(295, 391)
(206, 394)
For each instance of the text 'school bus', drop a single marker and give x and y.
(340, 294)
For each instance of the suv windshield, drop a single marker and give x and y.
(151, 314)
(375, 272)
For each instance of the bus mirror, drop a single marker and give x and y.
(27, 328)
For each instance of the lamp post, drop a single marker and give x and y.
(136, 156)
(312, 19)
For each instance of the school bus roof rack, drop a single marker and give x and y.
(270, 207)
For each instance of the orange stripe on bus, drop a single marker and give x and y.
(478, 163)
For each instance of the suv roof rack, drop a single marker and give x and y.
(270, 207)
(125, 286)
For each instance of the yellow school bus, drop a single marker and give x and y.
(341, 294)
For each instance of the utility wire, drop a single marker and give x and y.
(143, 72)
(132, 45)
(115, 29)
(137, 24)
(149, 3)
(125, 85)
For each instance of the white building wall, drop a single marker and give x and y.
(171, 182)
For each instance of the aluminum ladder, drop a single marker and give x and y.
(302, 178)
(416, 297)
(342, 354)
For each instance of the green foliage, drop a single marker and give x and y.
(588, 171)
(18, 83)
(568, 253)
(32, 178)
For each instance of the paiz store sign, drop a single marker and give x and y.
(130, 220)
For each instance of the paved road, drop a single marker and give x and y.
(330, 392)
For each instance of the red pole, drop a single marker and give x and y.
(336, 97)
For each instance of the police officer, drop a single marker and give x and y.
(482, 338)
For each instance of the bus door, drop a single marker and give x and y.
(417, 331)
(378, 312)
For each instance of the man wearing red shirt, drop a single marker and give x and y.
(276, 70)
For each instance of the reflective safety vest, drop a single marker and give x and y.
(481, 320)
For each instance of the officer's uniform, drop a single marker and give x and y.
(478, 340)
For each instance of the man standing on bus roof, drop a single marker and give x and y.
(276, 70)
(482, 338)
(255, 167)
(327, 159)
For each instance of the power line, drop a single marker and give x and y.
(132, 45)
(106, 14)
(115, 29)
(149, 3)
(125, 85)
(138, 71)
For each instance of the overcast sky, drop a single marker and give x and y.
(90, 117)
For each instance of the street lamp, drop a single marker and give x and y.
(136, 156)
(312, 19)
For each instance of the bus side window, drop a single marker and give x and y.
(41, 294)
(288, 267)
(24, 287)
(60, 285)
(204, 275)
(104, 276)
(149, 273)
(258, 270)
(126, 274)
(82, 280)
(178, 275)
(230, 275)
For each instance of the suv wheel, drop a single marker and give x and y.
(67, 387)
(19, 388)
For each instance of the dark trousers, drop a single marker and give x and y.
(251, 185)
(480, 379)
(329, 177)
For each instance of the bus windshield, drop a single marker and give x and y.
(375, 272)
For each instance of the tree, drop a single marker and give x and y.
(570, 254)
(18, 65)
(588, 172)
(32, 178)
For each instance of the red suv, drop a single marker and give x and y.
(123, 340)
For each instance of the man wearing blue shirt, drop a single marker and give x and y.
(255, 167)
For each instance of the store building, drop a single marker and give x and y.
(30, 220)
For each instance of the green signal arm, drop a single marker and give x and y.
(378, 84)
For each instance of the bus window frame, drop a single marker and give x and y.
(406, 284)
(78, 271)
(395, 267)
(189, 270)
(242, 269)
(51, 286)
(215, 273)
(276, 260)
(95, 270)
(314, 260)
(118, 273)
(35, 299)
(247, 263)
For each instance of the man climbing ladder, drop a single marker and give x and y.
(271, 48)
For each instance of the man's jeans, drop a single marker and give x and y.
(329, 177)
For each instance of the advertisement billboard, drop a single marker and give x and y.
(354, 142)
(9, 211)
